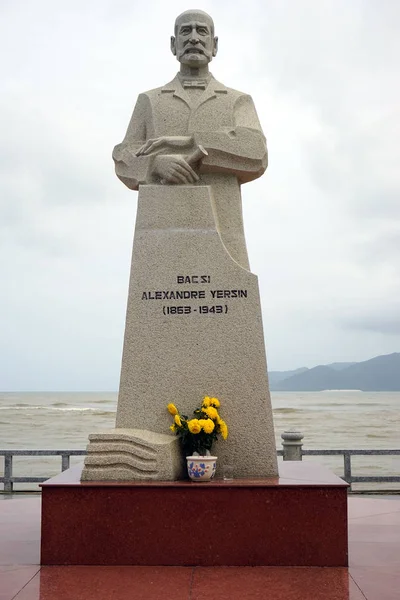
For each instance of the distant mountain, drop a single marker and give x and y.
(379, 374)
(276, 377)
(339, 366)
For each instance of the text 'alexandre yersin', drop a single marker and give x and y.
(192, 294)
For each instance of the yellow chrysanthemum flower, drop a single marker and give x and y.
(211, 412)
(208, 426)
(172, 428)
(194, 426)
(172, 409)
(206, 401)
(178, 421)
(215, 402)
(223, 427)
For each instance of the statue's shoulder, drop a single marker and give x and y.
(152, 93)
(155, 92)
(235, 94)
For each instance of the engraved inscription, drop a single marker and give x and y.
(174, 295)
(229, 293)
(193, 279)
(217, 309)
(210, 295)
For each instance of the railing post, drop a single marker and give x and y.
(65, 462)
(8, 465)
(292, 444)
(347, 467)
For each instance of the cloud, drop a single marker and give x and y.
(387, 323)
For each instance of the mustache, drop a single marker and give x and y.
(199, 48)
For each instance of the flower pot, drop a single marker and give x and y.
(201, 468)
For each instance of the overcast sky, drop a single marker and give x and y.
(322, 225)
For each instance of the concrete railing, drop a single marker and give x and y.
(8, 479)
(292, 450)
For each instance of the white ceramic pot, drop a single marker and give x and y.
(201, 468)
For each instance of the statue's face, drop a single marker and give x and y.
(195, 44)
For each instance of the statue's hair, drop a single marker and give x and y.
(194, 11)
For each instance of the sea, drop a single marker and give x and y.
(328, 420)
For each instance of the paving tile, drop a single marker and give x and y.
(29, 506)
(21, 552)
(373, 554)
(392, 518)
(273, 583)
(19, 496)
(20, 531)
(362, 507)
(13, 579)
(372, 532)
(379, 583)
(109, 583)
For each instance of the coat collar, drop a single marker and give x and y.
(175, 87)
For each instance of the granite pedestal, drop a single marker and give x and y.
(296, 519)
(193, 328)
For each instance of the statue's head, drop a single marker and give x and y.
(194, 43)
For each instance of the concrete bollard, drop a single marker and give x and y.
(292, 444)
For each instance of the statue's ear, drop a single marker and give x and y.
(215, 49)
(173, 45)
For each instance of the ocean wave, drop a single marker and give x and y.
(340, 403)
(369, 404)
(53, 408)
(101, 401)
(340, 391)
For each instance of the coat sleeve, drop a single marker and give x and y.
(133, 170)
(241, 151)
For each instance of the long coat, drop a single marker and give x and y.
(222, 120)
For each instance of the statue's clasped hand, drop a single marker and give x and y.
(173, 168)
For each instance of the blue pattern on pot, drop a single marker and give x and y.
(201, 468)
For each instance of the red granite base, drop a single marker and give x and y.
(298, 519)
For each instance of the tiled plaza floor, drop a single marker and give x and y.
(374, 572)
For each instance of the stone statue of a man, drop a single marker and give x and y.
(196, 131)
(193, 320)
